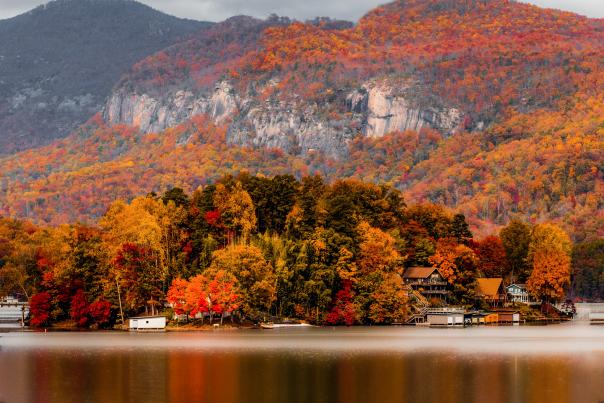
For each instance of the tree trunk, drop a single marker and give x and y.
(119, 297)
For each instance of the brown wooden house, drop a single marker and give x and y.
(428, 281)
(491, 290)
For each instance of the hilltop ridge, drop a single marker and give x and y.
(68, 56)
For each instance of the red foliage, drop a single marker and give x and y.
(491, 253)
(344, 312)
(223, 293)
(196, 296)
(39, 309)
(212, 218)
(79, 309)
(177, 296)
(100, 312)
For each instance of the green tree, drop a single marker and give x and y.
(309, 213)
(274, 198)
(177, 196)
(515, 238)
(460, 229)
(588, 270)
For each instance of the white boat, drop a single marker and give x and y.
(270, 325)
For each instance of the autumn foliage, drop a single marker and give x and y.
(328, 253)
(254, 232)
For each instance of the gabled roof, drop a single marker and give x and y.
(489, 287)
(420, 272)
(521, 286)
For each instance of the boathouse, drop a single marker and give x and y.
(491, 290)
(502, 317)
(12, 310)
(445, 317)
(491, 318)
(147, 323)
(509, 317)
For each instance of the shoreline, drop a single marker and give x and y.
(231, 328)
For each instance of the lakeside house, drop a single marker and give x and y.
(147, 323)
(428, 281)
(519, 294)
(491, 290)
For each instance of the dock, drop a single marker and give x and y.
(596, 318)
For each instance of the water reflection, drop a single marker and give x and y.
(184, 375)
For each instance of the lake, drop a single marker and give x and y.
(558, 363)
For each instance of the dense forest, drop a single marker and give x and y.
(250, 247)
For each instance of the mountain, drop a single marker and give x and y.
(59, 62)
(492, 107)
(446, 64)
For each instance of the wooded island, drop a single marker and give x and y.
(251, 248)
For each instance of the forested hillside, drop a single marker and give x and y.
(494, 108)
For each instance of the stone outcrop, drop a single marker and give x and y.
(155, 114)
(386, 109)
(295, 125)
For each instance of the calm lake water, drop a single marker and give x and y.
(560, 363)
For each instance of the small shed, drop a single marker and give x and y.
(491, 318)
(509, 317)
(474, 318)
(147, 323)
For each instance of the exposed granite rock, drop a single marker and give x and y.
(153, 115)
(296, 126)
(386, 109)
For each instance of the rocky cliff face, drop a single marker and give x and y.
(154, 114)
(296, 126)
(386, 108)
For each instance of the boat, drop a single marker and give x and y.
(271, 325)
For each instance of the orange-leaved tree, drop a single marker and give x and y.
(549, 253)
